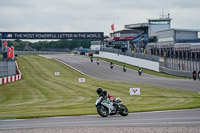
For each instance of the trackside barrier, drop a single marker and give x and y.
(13, 78)
(8, 79)
(152, 65)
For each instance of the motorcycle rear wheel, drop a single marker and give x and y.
(123, 110)
(102, 111)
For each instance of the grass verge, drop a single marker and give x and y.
(42, 94)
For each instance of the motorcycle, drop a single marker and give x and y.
(106, 107)
(111, 65)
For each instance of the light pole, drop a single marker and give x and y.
(2, 46)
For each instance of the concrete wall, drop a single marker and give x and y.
(7, 68)
(13, 78)
(130, 60)
(176, 72)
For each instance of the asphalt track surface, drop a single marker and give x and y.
(103, 71)
(145, 119)
(158, 121)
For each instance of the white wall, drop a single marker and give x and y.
(186, 35)
(165, 34)
(130, 60)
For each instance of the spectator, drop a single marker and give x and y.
(199, 75)
(179, 66)
(183, 68)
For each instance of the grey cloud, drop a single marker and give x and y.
(91, 15)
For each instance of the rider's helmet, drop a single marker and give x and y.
(99, 91)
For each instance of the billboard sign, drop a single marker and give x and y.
(81, 80)
(11, 52)
(52, 35)
(134, 91)
(57, 73)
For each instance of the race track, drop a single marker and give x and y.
(159, 121)
(103, 71)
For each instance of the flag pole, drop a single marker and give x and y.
(113, 27)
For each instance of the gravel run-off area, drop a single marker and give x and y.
(107, 130)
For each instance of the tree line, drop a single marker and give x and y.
(64, 43)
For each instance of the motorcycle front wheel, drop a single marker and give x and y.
(102, 111)
(123, 110)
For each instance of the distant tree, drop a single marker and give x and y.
(64, 43)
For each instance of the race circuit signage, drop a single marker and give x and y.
(51, 35)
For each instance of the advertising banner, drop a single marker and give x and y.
(11, 52)
(81, 80)
(51, 35)
(57, 73)
(134, 91)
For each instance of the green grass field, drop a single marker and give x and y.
(42, 94)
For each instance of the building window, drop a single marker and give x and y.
(159, 22)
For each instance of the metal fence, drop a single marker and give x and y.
(179, 67)
(7, 68)
(176, 72)
(132, 54)
(173, 66)
(187, 65)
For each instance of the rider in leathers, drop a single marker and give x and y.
(105, 94)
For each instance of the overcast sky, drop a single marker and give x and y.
(92, 15)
